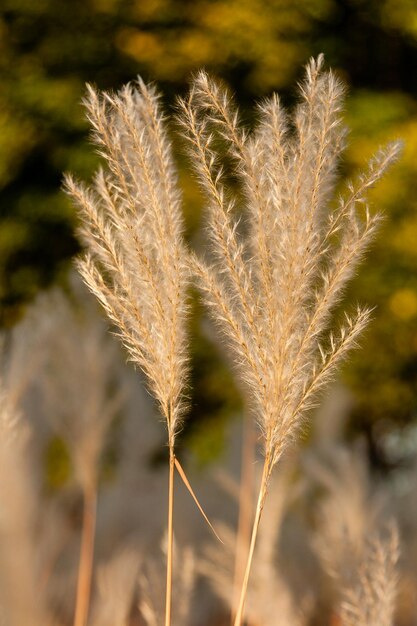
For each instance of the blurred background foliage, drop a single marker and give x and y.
(50, 48)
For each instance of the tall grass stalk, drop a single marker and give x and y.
(272, 284)
(255, 528)
(246, 506)
(136, 259)
(170, 548)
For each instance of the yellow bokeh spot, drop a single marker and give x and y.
(104, 6)
(198, 47)
(140, 45)
(404, 238)
(144, 10)
(403, 303)
(401, 14)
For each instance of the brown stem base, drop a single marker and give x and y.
(85, 568)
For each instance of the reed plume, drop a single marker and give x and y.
(116, 583)
(79, 371)
(150, 607)
(22, 598)
(371, 600)
(135, 262)
(358, 548)
(272, 288)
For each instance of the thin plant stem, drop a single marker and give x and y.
(194, 497)
(85, 568)
(258, 514)
(245, 508)
(168, 597)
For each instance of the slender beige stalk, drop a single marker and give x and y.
(194, 497)
(85, 569)
(245, 509)
(258, 514)
(273, 286)
(168, 596)
(136, 261)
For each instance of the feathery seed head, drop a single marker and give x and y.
(132, 230)
(273, 290)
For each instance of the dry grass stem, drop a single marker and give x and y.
(85, 568)
(269, 588)
(136, 258)
(150, 605)
(190, 490)
(272, 290)
(246, 506)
